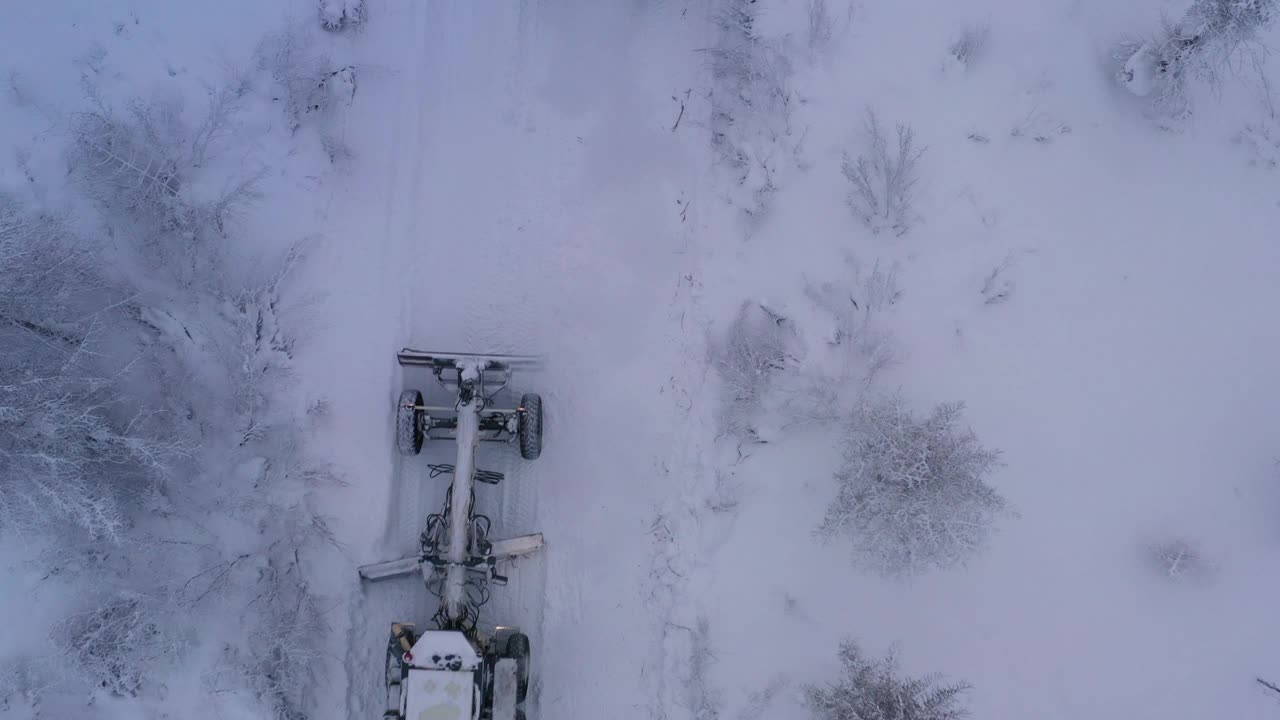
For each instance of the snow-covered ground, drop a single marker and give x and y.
(606, 184)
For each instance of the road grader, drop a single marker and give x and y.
(453, 671)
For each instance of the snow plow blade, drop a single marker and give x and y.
(390, 569)
(516, 546)
(500, 550)
(424, 358)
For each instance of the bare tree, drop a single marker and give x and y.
(876, 689)
(912, 490)
(73, 447)
(884, 179)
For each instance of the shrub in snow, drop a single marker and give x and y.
(1261, 138)
(756, 347)
(287, 644)
(119, 643)
(1208, 35)
(128, 168)
(968, 46)
(999, 285)
(147, 170)
(1179, 560)
(751, 98)
(23, 681)
(876, 689)
(309, 84)
(884, 178)
(912, 490)
(858, 344)
(338, 15)
(1040, 126)
(260, 348)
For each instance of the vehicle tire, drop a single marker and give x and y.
(409, 430)
(518, 650)
(530, 430)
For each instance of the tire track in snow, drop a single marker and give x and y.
(679, 664)
(373, 608)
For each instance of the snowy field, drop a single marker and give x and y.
(926, 330)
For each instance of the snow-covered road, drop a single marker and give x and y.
(519, 189)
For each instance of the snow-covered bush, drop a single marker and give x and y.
(307, 83)
(119, 643)
(1179, 560)
(754, 350)
(876, 689)
(751, 106)
(131, 167)
(147, 169)
(884, 178)
(263, 349)
(338, 15)
(912, 490)
(968, 45)
(288, 647)
(859, 341)
(1201, 44)
(24, 680)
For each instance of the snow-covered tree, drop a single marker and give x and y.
(876, 689)
(146, 168)
(912, 490)
(884, 177)
(74, 448)
(1209, 34)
